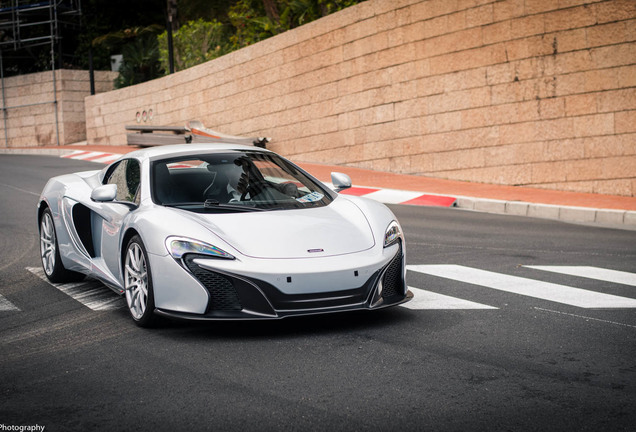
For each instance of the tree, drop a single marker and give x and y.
(140, 63)
(194, 43)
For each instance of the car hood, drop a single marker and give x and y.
(337, 229)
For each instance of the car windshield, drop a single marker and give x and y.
(234, 181)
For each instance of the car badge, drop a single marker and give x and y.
(315, 250)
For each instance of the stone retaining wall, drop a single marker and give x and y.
(30, 114)
(520, 92)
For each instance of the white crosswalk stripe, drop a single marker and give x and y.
(527, 287)
(6, 305)
(428, 300)
(96, 296)
(90, 293)
(615, 276)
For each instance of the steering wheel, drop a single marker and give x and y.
(254, 188)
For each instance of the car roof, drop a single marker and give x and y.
(162, 152)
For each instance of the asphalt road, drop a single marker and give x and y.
(525, 363)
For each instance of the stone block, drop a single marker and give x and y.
(625, 122)
(619, 167)
(508, 9)
(548, 172)
(570, 18)
(517, 208)
(630, 218)
(601, 79)
(543, 211)
(498, 32)
(593, 125)
(571, 84)
(465, 203)
(490, 206)
(607, 34)
(528, 26)
(614, 55)
(615, 11)
(577, 105)
(617, 100)
(571, 40)
(552, 108)
(577, 214)
(626, 76)
(613, 217)
(480, 16)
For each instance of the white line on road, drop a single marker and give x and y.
(528, 287)
(428, 300)
(585, 317)
(90, 293)
(6, 305)
(597, 273)
(20, 189)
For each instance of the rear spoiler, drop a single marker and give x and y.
(193, 132)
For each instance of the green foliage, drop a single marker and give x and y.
(255, 20)
(104, 17)
(116, 38)
(194, 43)
(192, 10)
(298, 12)
(106, 27)
(251, 24)
(140, 63)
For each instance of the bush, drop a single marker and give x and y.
(194, 43)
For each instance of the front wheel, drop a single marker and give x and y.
(50, 252)
(138, 284)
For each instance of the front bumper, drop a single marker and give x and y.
(239, 297)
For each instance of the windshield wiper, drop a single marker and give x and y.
(212, 204)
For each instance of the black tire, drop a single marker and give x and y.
(139, 294)
(50, 252)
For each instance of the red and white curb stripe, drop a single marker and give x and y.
(99, 157)
(386, 196)
(394, 196)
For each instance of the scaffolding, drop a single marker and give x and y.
(26, 24)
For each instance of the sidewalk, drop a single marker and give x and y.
(604, 210)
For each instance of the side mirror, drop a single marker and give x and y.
(340, 181)
(104, 193)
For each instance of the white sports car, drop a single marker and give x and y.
(221, 231)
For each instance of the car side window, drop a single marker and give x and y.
(127, 176)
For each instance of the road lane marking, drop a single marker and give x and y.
(615, 276)
(20, 189)
(6, 305)
(585, 317)
(428, 300)
(91, 293)
(528, 287)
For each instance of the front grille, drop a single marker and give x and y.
(392, 279)
(223, 296)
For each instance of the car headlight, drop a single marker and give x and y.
(393, 234)
(180, 246)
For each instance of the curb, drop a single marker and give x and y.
(624, 219)
(620, 219)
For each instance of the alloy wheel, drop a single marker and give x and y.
(47, 244)
(136, 281)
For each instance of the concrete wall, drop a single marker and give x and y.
(521, 92)
(34, 124)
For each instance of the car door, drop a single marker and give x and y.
(110, 215)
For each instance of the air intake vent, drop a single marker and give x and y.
(392, 280)
(223, 296)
